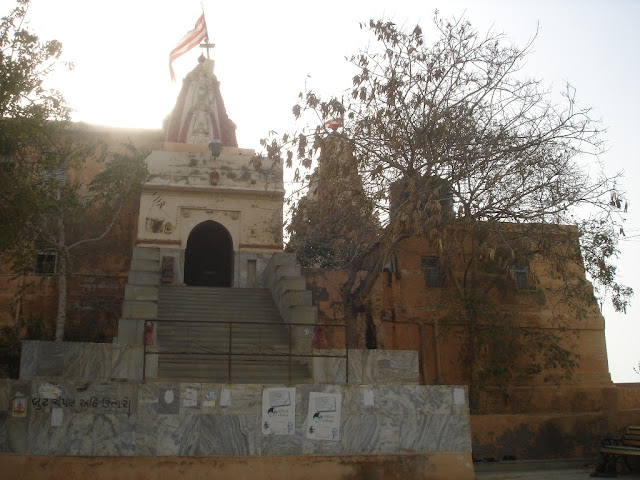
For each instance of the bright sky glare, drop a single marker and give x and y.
(266, 50)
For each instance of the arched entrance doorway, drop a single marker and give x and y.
(208, 259)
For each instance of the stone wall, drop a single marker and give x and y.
(87, 362)
(187, 419)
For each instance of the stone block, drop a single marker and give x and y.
(296, 297)
(141, 292)
(130, 331)
(301, 314)
(151, 362)
(50, 359)
(146, 253)
(29, 359)
(169, 429)
(5, 404)
(127, 362)
(113, 435)
(285, 270)
(74, 436)
(144, 278)
(144, 265)
(141, 309)
(287, 283)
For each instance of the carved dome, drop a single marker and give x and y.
(199, 115)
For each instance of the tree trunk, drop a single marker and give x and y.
(62, 281)
(62, 298)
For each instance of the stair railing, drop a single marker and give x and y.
(152, 348)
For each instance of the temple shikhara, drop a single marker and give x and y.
(191, 333)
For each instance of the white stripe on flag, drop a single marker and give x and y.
(190, 40)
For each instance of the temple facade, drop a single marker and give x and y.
(213, 219)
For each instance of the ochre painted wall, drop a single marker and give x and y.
(442, 466)
(528, 419)
(98, 272)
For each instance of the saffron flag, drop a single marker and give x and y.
(190, 40)
(334, 123)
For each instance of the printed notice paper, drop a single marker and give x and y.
(323, 422)
(225, 397)
(56, 417)
(278, 411)
(458, 396)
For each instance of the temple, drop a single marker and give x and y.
(200, 327)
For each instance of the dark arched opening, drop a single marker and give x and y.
(208, 259)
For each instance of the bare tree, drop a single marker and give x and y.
(450, 142)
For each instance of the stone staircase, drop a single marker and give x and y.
(199, 326)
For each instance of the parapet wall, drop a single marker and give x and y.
(192, 419)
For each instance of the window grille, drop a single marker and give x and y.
(46, 261)
(521, 277)
(59, 175)
(431, 269)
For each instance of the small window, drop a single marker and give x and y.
(431, 269)
(58, 175)
(521, 278)
(45, 262)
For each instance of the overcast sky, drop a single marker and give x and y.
(265, 51)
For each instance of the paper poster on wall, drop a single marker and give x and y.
(458, 396)
(323, 422)
(225, 397)
(278, 411)
(190, 397)
(19, 406)
(209, 398)
(368, 397)
(56, 417)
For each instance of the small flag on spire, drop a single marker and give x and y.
(334, 123)
(190, 40)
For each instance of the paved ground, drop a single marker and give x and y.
(564, 474)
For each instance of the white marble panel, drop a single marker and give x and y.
(74, 436)
(113, 435)
(169, 430)
(394, 400)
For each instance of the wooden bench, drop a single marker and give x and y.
(615, 449)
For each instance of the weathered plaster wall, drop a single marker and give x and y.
(98, 271)
(529, 419)
(186, 188)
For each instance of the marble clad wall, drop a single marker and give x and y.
(80, 361)
(187, 419)
(369, 367)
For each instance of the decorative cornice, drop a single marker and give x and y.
(255, 245)
(237, 191)
(158, 241)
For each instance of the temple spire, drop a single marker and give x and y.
(199, 115)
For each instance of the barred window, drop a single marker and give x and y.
(58, 175)
(521, 278)
(431, 269)
(45, 263)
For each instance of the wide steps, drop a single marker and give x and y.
(244, 369)
(197, 324)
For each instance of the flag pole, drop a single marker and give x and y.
(206, 30)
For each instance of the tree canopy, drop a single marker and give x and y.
(451, 142)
